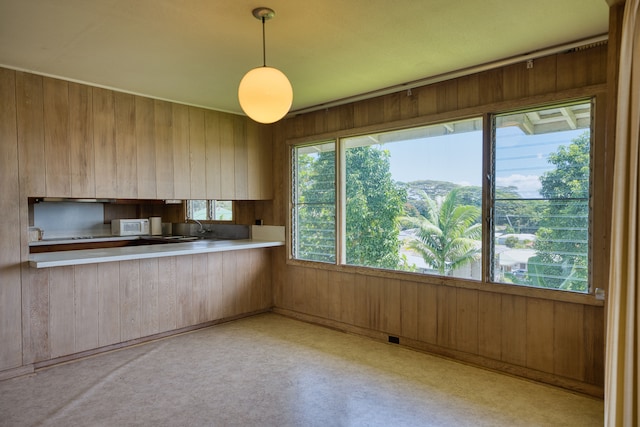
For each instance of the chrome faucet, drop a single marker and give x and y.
(201, 230)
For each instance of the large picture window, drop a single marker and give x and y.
(541, 188)
(412, 199)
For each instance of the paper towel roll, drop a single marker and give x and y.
(156, 225)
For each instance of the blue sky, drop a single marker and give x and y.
(458, 158)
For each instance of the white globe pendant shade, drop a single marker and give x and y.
(265, 94)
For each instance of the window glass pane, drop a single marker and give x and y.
(541, 198)
(413, 199)
(197, 209)
(314, 201)
(222, 210)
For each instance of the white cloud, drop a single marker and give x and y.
(527, 185)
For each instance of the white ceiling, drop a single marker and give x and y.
(196, 51)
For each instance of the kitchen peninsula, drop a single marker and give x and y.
(90, 256)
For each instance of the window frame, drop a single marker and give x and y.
(210, 203)
(488, 263)
(599, 198)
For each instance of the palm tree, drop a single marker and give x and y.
(448, 237)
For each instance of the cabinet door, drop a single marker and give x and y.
(56, 137)
(10, 229)
(212, 150)
(104, 140)
(30, 125)
(126, 153)
(181, 163)
(259, 170)
(164, 149)
(146, 148)
(227, 157)
(240, 158)
(197, 153)
(83, 179)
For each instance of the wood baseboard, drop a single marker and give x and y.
(458, 356)
(16, 372)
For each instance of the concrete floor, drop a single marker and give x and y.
(269, 370)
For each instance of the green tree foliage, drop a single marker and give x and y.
(316, 230)
(447, 238)
(562, 240)
(374, 203)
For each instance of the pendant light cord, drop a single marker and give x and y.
(264, 49)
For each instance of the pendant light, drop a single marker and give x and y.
(265, 93)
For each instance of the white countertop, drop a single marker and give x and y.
(91, 256)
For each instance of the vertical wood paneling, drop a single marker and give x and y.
(514, 329)
(467, 320)
(361, 301)
(227, 162)
(181, 158)
(240, 160)
(197, 153)
(468, 91)
(409, 309)
(447, 95)
(373, 299)
(215, 285)
(56, 137)
(391, 106)
(447, 316)
(229, 269)
(305, 292)
(255, 168)
(243, 281)
(85, 280)
(30, 125)
(427, 100)
(108, 303)
(212, 140)
(568, 340)
(490, 85)
(146, 148)
(167, 293)
(126, 151)
(594, 343)
(490, 325)
(130, 313)
(184, 294)
(540, 330)
(36, 316)
(164, 149)
(334, 302)
(10, 229)
(322, 293)
(83, 180)
(428, 313)
(542, 77)
(347, 297)
(391, 307)
(61, 311)
(104, 143)
(202, 299)
(149, 297)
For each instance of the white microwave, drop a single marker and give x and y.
(129, 227)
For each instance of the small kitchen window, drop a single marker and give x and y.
(210, 210)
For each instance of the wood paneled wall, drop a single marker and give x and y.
(558, 339)
(65, 139)
(82, 308)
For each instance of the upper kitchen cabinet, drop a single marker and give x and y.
(80, 141)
